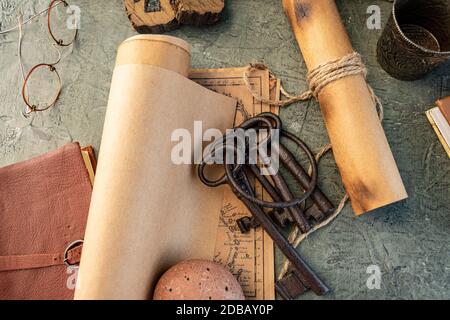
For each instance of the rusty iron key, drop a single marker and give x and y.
(284, 209)
(302, 268)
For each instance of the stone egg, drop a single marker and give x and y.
(198, 280)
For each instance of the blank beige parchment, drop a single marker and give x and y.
(147, 213)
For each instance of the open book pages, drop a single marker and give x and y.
(441, 127)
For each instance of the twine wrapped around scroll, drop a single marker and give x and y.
(318, 79)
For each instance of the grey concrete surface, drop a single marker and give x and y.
(409, 241)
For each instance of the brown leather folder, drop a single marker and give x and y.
(44, 204)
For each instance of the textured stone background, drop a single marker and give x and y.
(409, 241)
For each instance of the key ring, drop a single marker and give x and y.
(59, 42)
(205, 161)
(229, 170)
(222, 144)
(33, 107)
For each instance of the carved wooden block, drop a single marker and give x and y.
(157, 16)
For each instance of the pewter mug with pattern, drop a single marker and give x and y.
(416, 38)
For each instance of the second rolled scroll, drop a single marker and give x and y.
(360, 147)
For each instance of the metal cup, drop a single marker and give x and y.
(416, 38)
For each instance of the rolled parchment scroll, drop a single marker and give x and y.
(367, 166)
(148, 213)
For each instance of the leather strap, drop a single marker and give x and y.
(34, 261)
